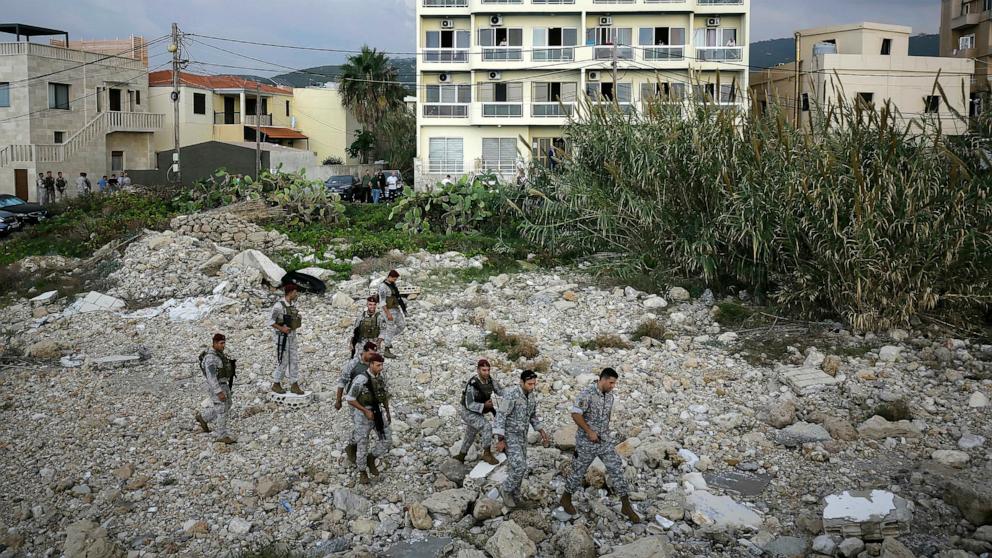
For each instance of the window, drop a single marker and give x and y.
(606, 37)
(662, 36)
(199, 103)
(450, 40)
(560, 43)
(866, 98)
(499, 36)
(966, 42)
(605, 91)
(543, 148)
(287, 108)
(886, 47)
(664, 91)
(447, 100)
(58, 96)
(445, 155)
(4, 94)
(499, 154)
(805, 102)
(116, 160)
(986, 5)
(501, 99)
(59, 137)
(547, 98)
(931, 104)
(137, 97)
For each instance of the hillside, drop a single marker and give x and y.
(765, 54)
(317, 75)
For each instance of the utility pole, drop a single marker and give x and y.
(798, 73)
(258, 131)
(174, 49)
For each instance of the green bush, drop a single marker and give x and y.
(461, 206)
(851, 216)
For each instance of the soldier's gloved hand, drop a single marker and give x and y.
(369, 415)
(500, 446)
(222, 396)
(488, 406)
(545, 439)
(337, 405)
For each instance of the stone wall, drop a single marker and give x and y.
(232, 231)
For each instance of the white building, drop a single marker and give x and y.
(498, 79)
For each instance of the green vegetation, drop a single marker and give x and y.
(606, 341)
(650, 328)
(514, 345)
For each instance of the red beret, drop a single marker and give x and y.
(483, 363)
(376, 357)
(290, 287)
(219, 337)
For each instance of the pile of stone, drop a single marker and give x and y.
(230, 230)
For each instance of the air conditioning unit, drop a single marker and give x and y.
(713, 22)
(443, 77)
(605, 21)
(495, 75)
(593, 76)
(447, 24)
(496, 20)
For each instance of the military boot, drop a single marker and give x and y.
(566, 504)
(508, 499)
(203, 424)
(628, 510)
(489, 458)
(364, 478)
(460, 458)
(388, 353)
(295, 389)
(277, 388)
(351, 451)
(370, 463)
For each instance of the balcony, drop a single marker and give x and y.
(502, 110)
(253, 120)
(720, 2)
(446, 55)
(551, 110)
(70, 55)
(221, 117)
(502, 54)
(445, 110)
(606, 52)
(966, 20)
(134, 121)
(626, 108)
(554, 54)
(445, 3)
(719, 54)
(664, 53)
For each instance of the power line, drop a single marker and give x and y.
(98, 60)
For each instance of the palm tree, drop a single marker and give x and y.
(368, 87)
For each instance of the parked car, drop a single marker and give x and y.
(10, 222)
(343, 186)
(28, 212)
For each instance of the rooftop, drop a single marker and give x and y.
(28, 31)
(862, 26)
(163, 78)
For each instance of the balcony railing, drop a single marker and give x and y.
(719, 54)
(70, 55)
(606, 52)
(133, 121)
(626, 108)
(446, 55)
(256, 120)
(445, 3)
(445, 110)
(551, 110)
(554, 54)
(503, 53)
(552, 1)
(221, 117)
(502, 1)
(663, 53)
(502, 110)
(720, 2)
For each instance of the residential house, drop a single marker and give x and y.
(966, 33)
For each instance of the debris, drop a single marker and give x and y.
(94, 302)
(45, 298)
(253, 259)
(805, 381)
(870, 515)
(720, 513)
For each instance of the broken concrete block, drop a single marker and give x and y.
(721, 513)
(94, 302)
(45, 298)
(867, 515)
(253, 259)
(806, 380)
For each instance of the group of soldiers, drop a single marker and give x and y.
(495, 417)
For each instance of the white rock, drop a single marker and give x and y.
(447, 411)
(978, 400)
(951, 458)
(44, 298)
(971, 441)
(655, 302)
(678, 294)
(341, 300)
(720, 513)
(889, 353)
(239, 526)
(253, 259)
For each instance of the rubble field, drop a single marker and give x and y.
(883, 451)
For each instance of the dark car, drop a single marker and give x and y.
(28, 212)
(10, 222)
(344, 186)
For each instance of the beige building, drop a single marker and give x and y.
(131, 47)
(232, 109)
(966, 33)
(497, 81)
(866, 62)
(71, 111)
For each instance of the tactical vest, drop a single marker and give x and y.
(291, 317)
(226, 371)
(483, 391)
(379, 384)
(392, 301)
(368, 328)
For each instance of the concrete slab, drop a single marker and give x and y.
(44, 298)
(113, 361)
(804, 381)
(482, 469)
(271, 272)
(870, 515)
(745, 484)
(431, 547)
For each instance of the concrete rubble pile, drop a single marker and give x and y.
(232, 231)
(888, 457)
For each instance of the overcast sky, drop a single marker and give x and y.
(385, 24)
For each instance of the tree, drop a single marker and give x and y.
(369, 87)
(396, 140)
(362, 146)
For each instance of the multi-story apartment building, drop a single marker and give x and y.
(71, 111)
(232, 109)
(966, 33)
(498, 79)
(867, 63)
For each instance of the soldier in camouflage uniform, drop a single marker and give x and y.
(591, 413)
(218, 371)
(357, 365)
(517, 411)
(369, 326)
(476, 403)
(284, 319)
(395, 311)
(369, 396)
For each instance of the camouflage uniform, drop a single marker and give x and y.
(289, 366)
(362, 426)
(476, 421)
(398, 323)
(214, 373)
(370, 328)
(595, 407)
(351, 368)
(516, 412)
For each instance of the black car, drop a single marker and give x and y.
(344, 186)
(10, 222)
(28, 212)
